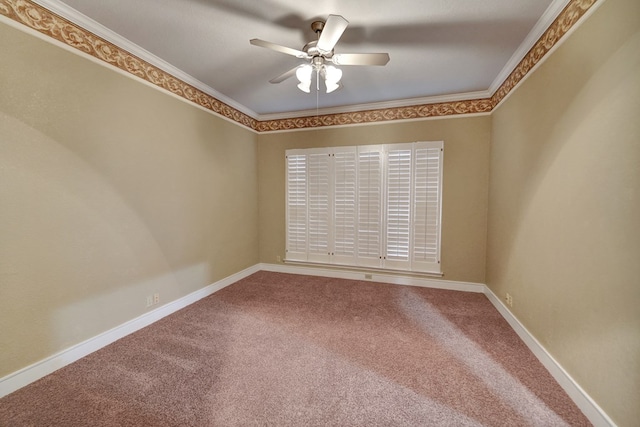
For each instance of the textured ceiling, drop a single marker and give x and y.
(439, 49)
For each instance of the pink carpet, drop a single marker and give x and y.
(288, 350)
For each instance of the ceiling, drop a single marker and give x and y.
(441, 50)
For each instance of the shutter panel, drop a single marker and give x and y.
(319, 209)
(296, 207)
(344, 210)
(427, 206)
(398, 206)
(370, 205)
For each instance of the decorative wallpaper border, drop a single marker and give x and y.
(558, 28)
(46, 22)
(42, 20)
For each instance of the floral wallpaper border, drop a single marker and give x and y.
(52, 25)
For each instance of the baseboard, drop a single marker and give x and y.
(29, 374)
(393, 278)
(587, 405)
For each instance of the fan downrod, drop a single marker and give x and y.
(317, 26)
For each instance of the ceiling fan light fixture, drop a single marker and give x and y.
(319, 53)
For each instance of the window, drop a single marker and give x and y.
(376, 206)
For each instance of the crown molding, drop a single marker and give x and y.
(67, 26)
(88, 24)
(398, 103)
(545, 21)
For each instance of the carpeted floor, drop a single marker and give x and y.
(287, 350)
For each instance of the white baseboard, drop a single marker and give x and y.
(376, 276)
(29, 374)
(587, 405)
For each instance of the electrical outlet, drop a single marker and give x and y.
(278, 259)
(149, 301)
(509, 299)
(156, 298)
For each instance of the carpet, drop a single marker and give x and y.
(279, 349)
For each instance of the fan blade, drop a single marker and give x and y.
(331, 33)
(360, 58)
(284, 76)
(279, 48)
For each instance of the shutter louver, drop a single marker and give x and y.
(376, 206)
(297, 207)
(319, 213)
(398, 207)
(344, 218)
(369, 205)
(426, 205)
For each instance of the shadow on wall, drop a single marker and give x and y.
(76, 258)
(568, 163)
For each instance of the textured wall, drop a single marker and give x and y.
(465, 183)
(110, 191)
(564, 209)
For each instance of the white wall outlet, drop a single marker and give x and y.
(509, 299)
(156, 298)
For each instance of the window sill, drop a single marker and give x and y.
(358, 269)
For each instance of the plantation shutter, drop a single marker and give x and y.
(319, 210)
(296, 239)
(344, 206)
(427, 206)
(375, 206)
(398, 206)
(370, 174)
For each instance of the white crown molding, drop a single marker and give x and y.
(399, 103)
(547, 19)
(534, 35)
(100, 30)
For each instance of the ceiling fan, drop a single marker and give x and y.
(320, 56)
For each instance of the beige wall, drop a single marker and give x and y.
(564, 207)
(109, 191)
(465, 183)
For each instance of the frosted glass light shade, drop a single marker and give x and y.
(332, 74)
(303, 73)
(305, 86)
(331, 86)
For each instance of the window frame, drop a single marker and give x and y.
(407, 215)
